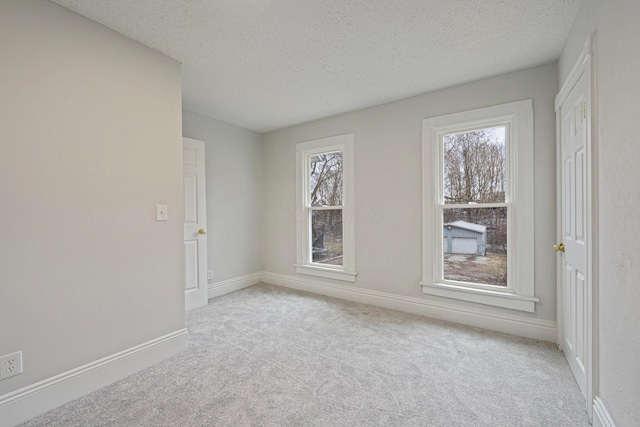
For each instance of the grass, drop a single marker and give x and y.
(333, 256)
(490, 269)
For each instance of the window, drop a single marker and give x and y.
(478, 206)
(325, 199)
(474, 210)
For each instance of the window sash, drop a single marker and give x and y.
(307, 174)
(441, 278)
(442, 206)
(310, 238)
(461, 130)
(309, 208)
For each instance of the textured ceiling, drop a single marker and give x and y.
(268, 64)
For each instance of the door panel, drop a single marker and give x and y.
(191, 264)
(574, 259)
(190, 198)
(195, 220)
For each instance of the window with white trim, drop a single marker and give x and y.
(325, 198)
(478, 235)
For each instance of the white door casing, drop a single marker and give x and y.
(577, 317)
(195, 223)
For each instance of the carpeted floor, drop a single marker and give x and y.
(267, 356)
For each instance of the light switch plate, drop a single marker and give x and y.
(161, 213)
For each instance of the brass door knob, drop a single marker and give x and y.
(202, 231)
(559, 247)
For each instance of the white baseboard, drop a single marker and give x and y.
(235, 284)
(601, 417)
(544, 330)
(28, 402)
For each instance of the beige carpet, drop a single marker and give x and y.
(267, 356)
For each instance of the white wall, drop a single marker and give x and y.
(90, 141)
(388, 182)
(618, 151)
(234, 191)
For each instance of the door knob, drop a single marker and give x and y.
(559, 247)
(202, 231)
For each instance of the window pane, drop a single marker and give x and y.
(475, 245)
(326, 236)
(326, 179)
(475, 165)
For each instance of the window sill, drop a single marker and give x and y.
(327, 273)
(481, 296)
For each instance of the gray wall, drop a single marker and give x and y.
(618, 188)
(90, 141)
(388, 181)
(234, 191)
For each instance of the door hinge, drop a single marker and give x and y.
(584, 110)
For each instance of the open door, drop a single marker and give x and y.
(576, 295)
(195, 224)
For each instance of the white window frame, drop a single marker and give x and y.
(304, 264)
(517, 118)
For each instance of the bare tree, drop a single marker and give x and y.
(326, 179)
(475, 173)
(474, 168)
(326, 190)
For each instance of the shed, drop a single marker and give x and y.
(461, 237)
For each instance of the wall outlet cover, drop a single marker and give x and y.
(10, 365)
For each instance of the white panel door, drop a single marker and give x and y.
(461, 245)
(573, 187)
(195, 224)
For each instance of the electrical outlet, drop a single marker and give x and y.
(209, 274)
(10, 365)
